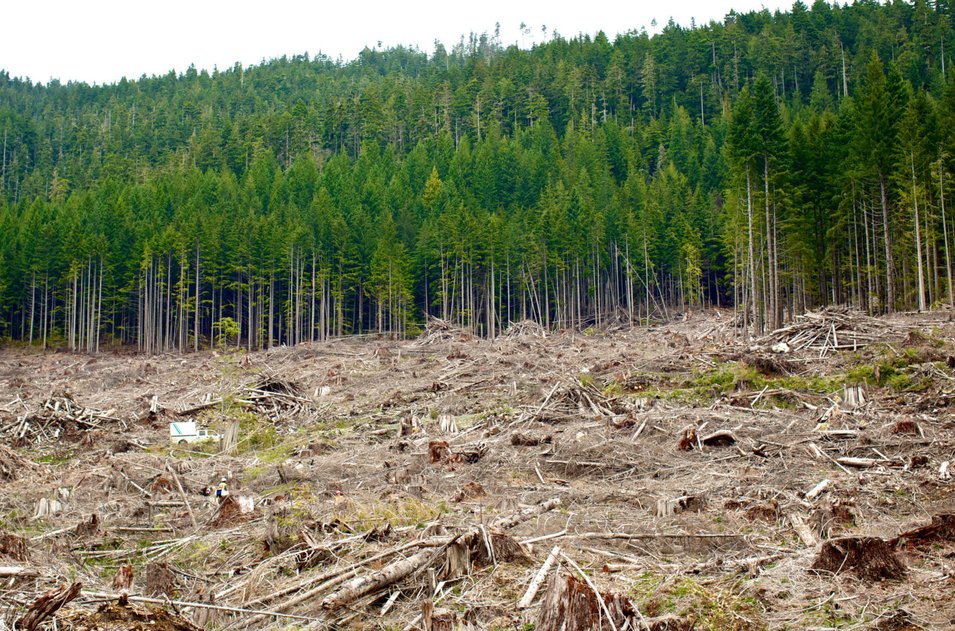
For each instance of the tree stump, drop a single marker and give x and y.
(47, 605)
(869, 558)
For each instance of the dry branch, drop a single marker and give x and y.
(198, 605)
(538, 579)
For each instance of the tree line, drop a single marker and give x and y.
(768, 163)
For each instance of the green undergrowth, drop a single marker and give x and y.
(879, 367)
(397, 511)
(710, 605)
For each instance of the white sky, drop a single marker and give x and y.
(102, 41)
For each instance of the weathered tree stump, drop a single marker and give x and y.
(869, 558)
(47, 605)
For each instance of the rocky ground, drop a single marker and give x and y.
(693, 479)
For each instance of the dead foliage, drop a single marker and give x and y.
(768, 512)
(869, 558)
(129, 617)
(525, 328)
(360, 521)
(162, 484)
(688, 439)
(905, 426)
(769, 364)
(900, 620)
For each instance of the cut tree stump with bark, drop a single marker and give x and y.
(570, 604)
(869, 558)
(47, 605)
(435, 619)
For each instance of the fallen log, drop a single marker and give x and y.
(805, 533)
(538, 579)
(402, 568)
(868, 463)
(184, 603)
(7, 571)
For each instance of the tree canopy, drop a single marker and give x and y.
(769, 162)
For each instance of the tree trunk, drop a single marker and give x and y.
(918, 238)
(948, 256)
(887, 239)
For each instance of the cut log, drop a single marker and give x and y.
(869, 558)
(47, 605)
(817, 490)
(46, 507)
(447, 424)
(182, 494)
(402, 568)
(721, 438)
(868, 463)
(803, 530)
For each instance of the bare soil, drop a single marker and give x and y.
(702, 479)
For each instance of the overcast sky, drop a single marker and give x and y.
(102, 41)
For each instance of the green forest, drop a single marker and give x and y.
(766, 164)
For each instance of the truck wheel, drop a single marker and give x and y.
(183, 442)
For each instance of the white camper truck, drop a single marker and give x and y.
(186, 432)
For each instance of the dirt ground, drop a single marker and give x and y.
(699, 477)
